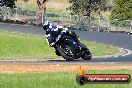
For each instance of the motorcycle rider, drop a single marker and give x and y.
(52, 31)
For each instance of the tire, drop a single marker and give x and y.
(87, 55)
(63, 54)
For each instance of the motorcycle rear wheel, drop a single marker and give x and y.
(87, 55)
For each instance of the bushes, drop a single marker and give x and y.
(126, 23)
(122, 10)
(8, 3)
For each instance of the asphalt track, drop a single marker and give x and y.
(121, 40)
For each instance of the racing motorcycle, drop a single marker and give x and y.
(67, 44)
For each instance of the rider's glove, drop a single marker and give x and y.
(46, 36)
(51, 44)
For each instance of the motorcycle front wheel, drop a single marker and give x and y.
(66, 51)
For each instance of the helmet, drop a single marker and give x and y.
(46, 25)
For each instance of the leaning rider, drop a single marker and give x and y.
(52, 31)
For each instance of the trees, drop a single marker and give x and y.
(8, 3)
(85, 7)
(122, 10)
(41, 8)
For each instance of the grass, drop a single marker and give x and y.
(101, 49)
(55, 80)
(15, 46)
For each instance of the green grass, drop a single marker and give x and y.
(101, 49)
(15, 46)
(55, 80)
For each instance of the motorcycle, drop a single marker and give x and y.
(68, 46)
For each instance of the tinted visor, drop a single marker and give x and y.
(45, 27)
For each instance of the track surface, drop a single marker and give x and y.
(121, 40)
